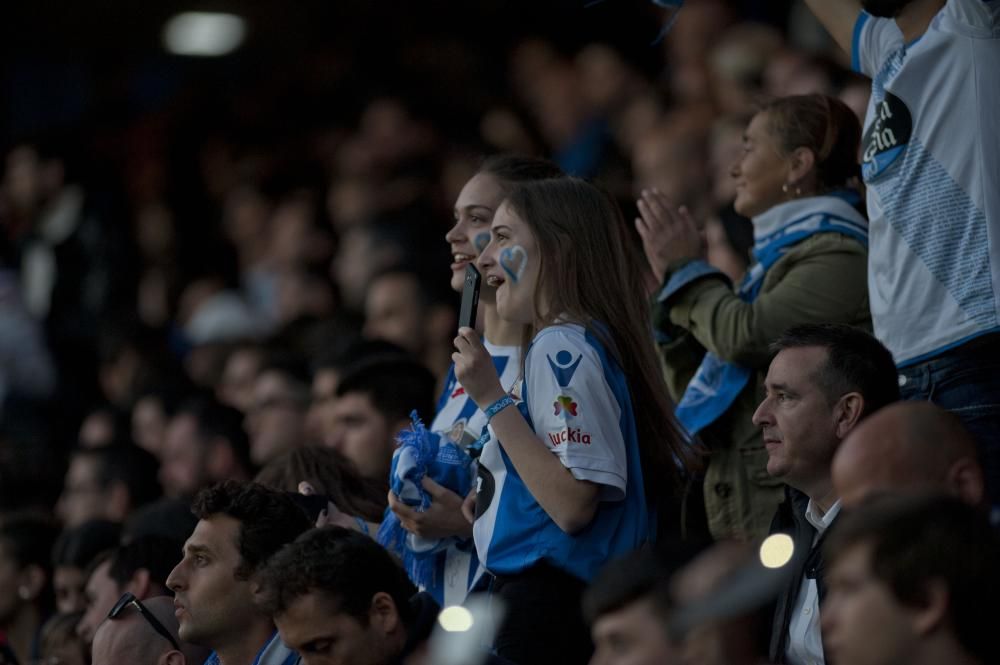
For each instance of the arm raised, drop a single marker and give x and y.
(838, 17)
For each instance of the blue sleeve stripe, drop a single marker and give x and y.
(856, 41)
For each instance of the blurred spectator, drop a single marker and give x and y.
(905, 448)
(734, 631)
(908, 578)
(153, 409)
(139, 567)
(165, 518)
(239, 374)
(374, 402)
(327, 368)
(240, 526)
(26, 599)
(26, 366)
(59, 644)
(628, 607)
(799, 159)
(71, 556)
(107, 483)
(276, 418)
(205, 443)
(823, 381)
(406, 306)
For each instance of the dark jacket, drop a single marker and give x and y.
(807, 561)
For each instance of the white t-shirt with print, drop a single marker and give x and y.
(931, 160)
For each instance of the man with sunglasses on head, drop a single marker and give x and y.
(241, 525)
(142, 633)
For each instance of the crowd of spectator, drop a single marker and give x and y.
(729, 398)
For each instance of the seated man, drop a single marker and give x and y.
(240, 525)
(132, 634)
(338, 597)
(912, 580)
(823, 381)
(374, 402)
(140, 567)
(905, 447)
(628, 607)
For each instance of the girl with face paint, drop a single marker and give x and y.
(570, 476)
(458, 417)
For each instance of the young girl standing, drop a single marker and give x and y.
(569, 477)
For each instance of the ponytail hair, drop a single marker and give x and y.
(826, 126)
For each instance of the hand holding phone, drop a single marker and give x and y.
(470, 298)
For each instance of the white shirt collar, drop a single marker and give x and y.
(821, 522)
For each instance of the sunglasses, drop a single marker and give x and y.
(128, 599)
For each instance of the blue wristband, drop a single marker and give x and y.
(498, 406)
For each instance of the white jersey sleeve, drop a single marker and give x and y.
(875, 39)
(573, 409)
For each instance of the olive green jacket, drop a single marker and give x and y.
(820, 280)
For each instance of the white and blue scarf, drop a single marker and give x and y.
(717, 383)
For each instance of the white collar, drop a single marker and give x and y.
(821, 522)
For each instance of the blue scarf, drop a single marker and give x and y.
(422, 453)
(717, 383)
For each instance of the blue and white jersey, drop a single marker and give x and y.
(931, 159)
(576, 399)
(459, 420)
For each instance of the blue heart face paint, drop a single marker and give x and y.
(480, 242)
(514, 261)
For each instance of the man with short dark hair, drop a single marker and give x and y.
(107, 483)
(628, 608)
(823, 381)
(414, 308)
(374, 402)
(240, 526)
(205, 443)
(912, 580)
(276, 417)
(338, 597)
(140, 567)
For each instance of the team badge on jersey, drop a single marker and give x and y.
(564, 367)
(887, 136)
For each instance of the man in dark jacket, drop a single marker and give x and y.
(822, 382)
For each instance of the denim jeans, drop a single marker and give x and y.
(966, 381)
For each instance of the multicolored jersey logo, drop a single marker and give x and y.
(565, 406)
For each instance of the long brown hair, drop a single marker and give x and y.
(591, 273)
(331, 474)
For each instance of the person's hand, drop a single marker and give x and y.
(668, 233)
(331, 516)
(469, 506)
(442, 519)
(475, 370)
